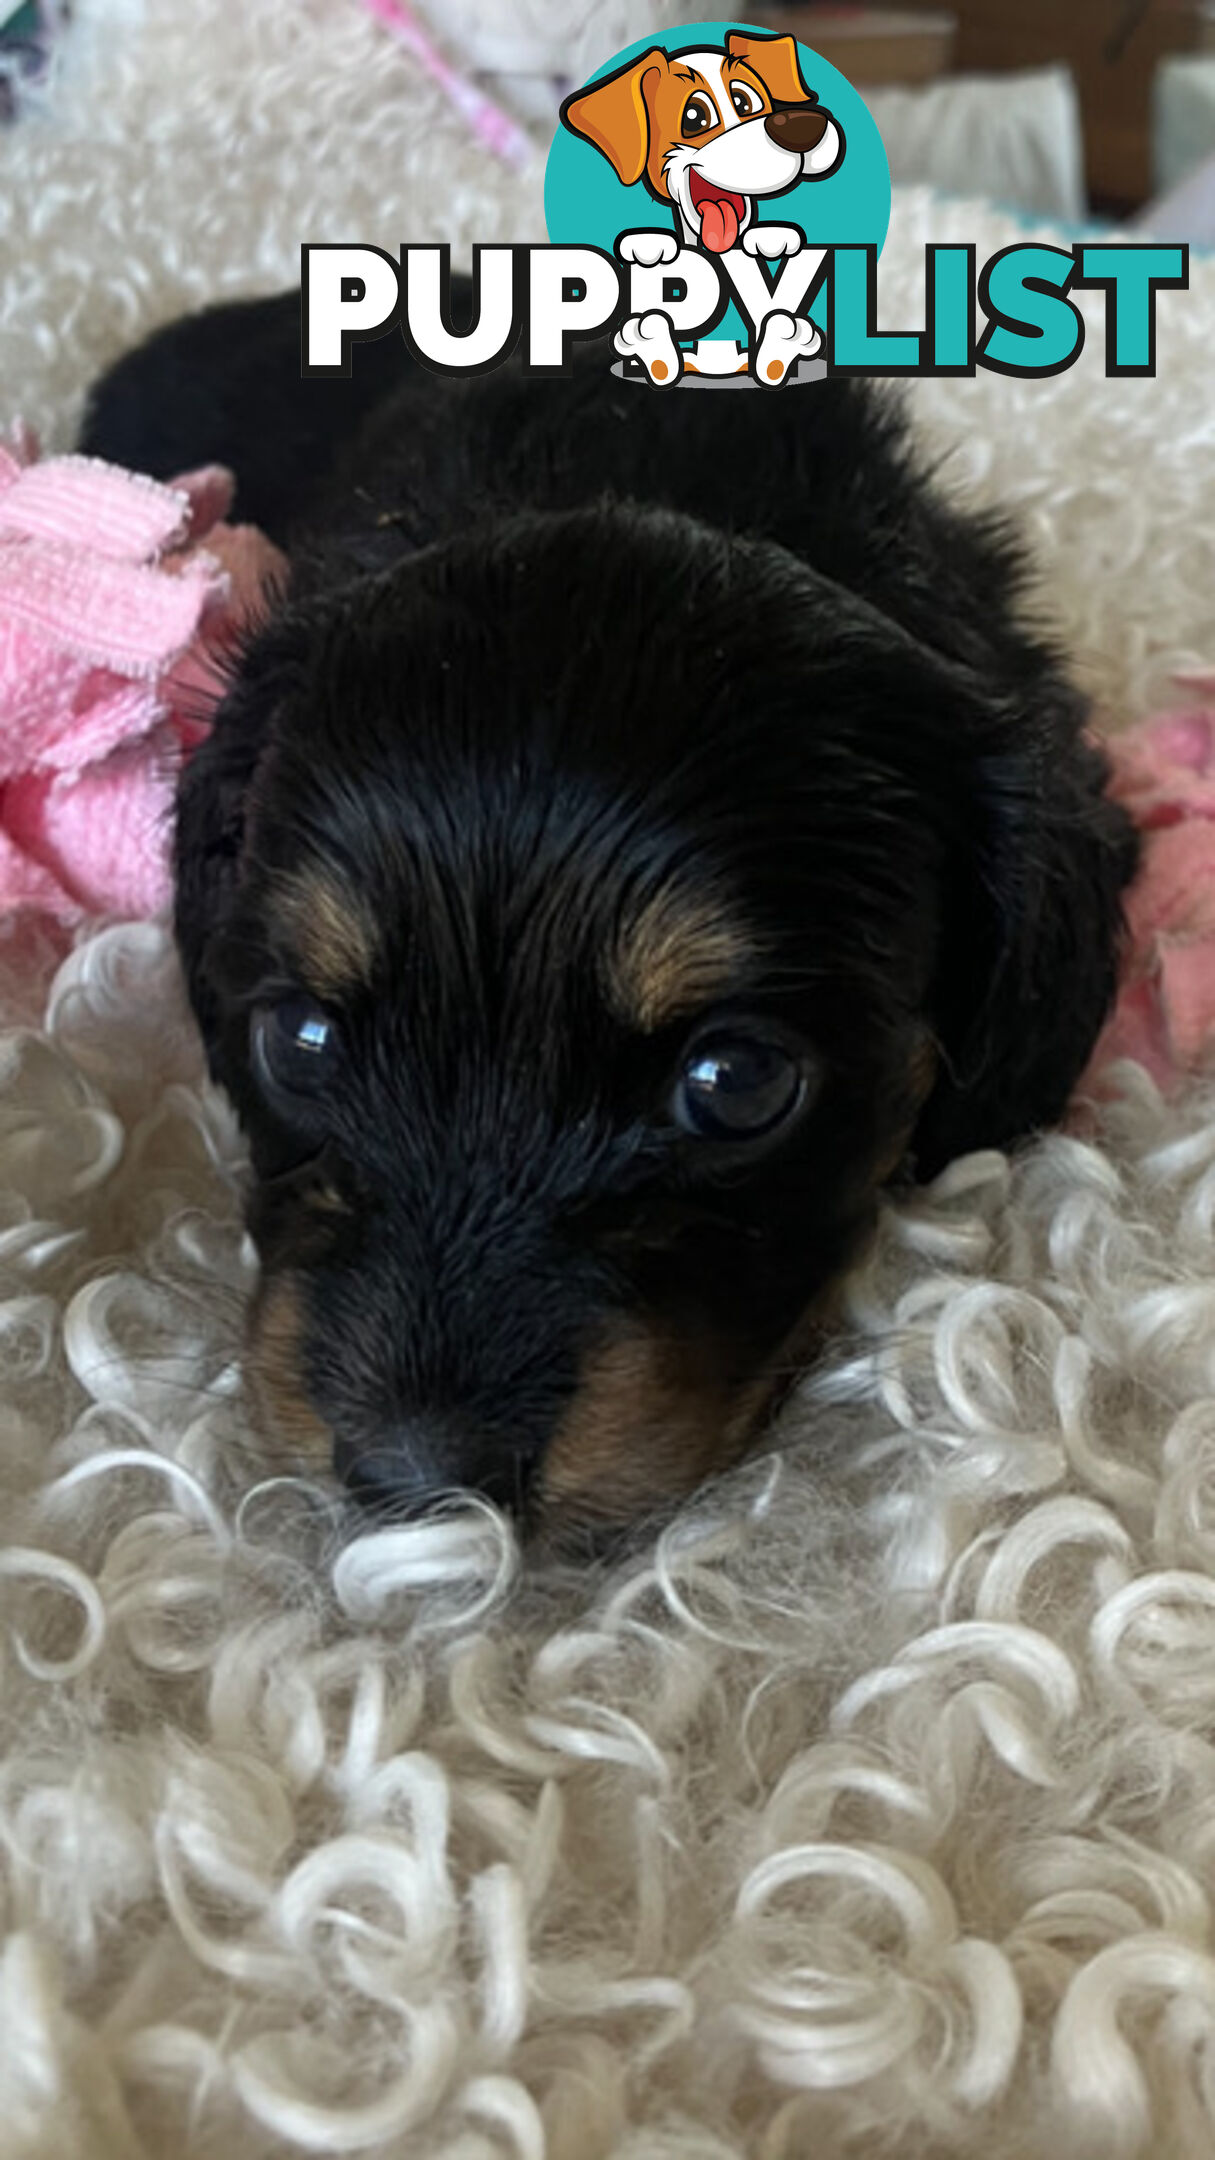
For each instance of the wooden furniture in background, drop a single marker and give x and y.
(871, 46)
(1112, 47)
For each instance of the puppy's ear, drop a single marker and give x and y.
(613, 114)
(774, 60)
(1032, 935)
(212, 810)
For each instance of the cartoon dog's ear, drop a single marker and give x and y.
(612, 115)
(774, 60)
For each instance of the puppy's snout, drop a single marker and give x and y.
(798, 127)
(416, 1460)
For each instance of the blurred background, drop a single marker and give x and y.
(1057, 109)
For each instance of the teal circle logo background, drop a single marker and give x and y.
(585, 203)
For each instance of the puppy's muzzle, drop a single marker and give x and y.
(420, 1458)
(797, 127)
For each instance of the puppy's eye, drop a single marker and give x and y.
(295, 1045)
(739, 1087)
(698, 114)
(745, 100)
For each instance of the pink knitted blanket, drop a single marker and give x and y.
(118, 598)
(1164, 773)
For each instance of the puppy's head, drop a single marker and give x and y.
(710, 130)
(583, 918)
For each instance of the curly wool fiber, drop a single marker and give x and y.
(869, 1800)
(868, 1806)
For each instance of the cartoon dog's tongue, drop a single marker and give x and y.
(718, 224)
(720, 215)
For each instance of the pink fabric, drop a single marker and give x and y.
(1164, 773)
(118, 598)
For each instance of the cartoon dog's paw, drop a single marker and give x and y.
(648, 338)
(771, 241)
(785, 340)
(647, 248)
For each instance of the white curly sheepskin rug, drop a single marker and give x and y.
(869, 1810)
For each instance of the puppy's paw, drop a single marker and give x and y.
(648, 338)
(647, 248)
(771, 241)
(785, 339)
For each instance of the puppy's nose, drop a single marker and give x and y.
(417, 1461)
(797, 127)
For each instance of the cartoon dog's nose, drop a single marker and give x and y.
(797, 127)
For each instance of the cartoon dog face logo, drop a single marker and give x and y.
(710, 131)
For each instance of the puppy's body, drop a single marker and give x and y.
(646, 828)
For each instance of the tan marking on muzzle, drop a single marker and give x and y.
(274, 1385)
(680, 952)
(643, 1429)
(330, 929)
(654, 1418)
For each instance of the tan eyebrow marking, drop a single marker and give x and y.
(681, 951)
(330, 928)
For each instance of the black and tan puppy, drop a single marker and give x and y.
(644, 832)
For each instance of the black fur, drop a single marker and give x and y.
(554, 648)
